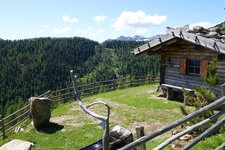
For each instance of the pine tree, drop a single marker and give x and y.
(203, 95)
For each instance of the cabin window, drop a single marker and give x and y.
(194, 66)
(221, 56)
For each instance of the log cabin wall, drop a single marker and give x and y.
(172, 56)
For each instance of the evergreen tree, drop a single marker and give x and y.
(203, 96)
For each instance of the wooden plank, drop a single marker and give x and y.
(204, 68)
(183, 66)
(162, 70)
(175, 87)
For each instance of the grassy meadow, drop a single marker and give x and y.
(131, 107)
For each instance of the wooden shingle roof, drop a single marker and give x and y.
(181, 33)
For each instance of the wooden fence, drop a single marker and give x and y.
(64, 95)
(218, 103)
(8, 123)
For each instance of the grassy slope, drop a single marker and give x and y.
(130, 107)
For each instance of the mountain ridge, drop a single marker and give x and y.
(136, 38)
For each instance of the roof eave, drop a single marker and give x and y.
(211, 44)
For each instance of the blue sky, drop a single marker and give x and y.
(103, 19)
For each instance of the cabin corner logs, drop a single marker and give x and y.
(175, 61)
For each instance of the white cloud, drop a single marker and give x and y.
(41, 31)
(141, 31)
(138, 21)
(203, 24)
(69, 19)
(99, 18)
(45, 26)
(99, 31)
(60, 30)
(89, 32)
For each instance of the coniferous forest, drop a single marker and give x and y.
(32, 66)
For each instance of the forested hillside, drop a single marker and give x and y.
(32, 66)
(113, 59)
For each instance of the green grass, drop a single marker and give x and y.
(73, 139)
(129, 108)
(210, 143)
(62, 109)
(140, 97)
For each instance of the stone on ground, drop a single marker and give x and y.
(40, 111)
(17, 145)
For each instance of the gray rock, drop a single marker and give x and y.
(198, 29)
(214, 29)
(199, 34)
(17, 145)
(212, 34)
(120, 137)
(40, 111)
(18, 129)
(222, 32)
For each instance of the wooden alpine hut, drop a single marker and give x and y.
(185, 55)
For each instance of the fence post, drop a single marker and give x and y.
(223, 89)
(94, 87)
(153, 78)
(140, 133)
(114, 84)
(2, 126)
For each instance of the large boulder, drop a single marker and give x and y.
(17, 145)
(120, 137)
(40, 109)
(199, 29)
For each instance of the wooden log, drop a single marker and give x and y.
(94, 87)
(169, 93)
(46, 93)
(25, 118)
(140, 133)
(223, 89)
(195, 126)
(25, 107)
(205, 134)
(174, 124)
(162, 70)
(221, 147)
(16, 118)
(114, 84)
(2, 127)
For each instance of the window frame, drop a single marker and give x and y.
(196, 67)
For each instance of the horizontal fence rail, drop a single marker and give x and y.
(64, 95)
(9, 122)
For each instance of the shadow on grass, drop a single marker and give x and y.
(51, 128)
